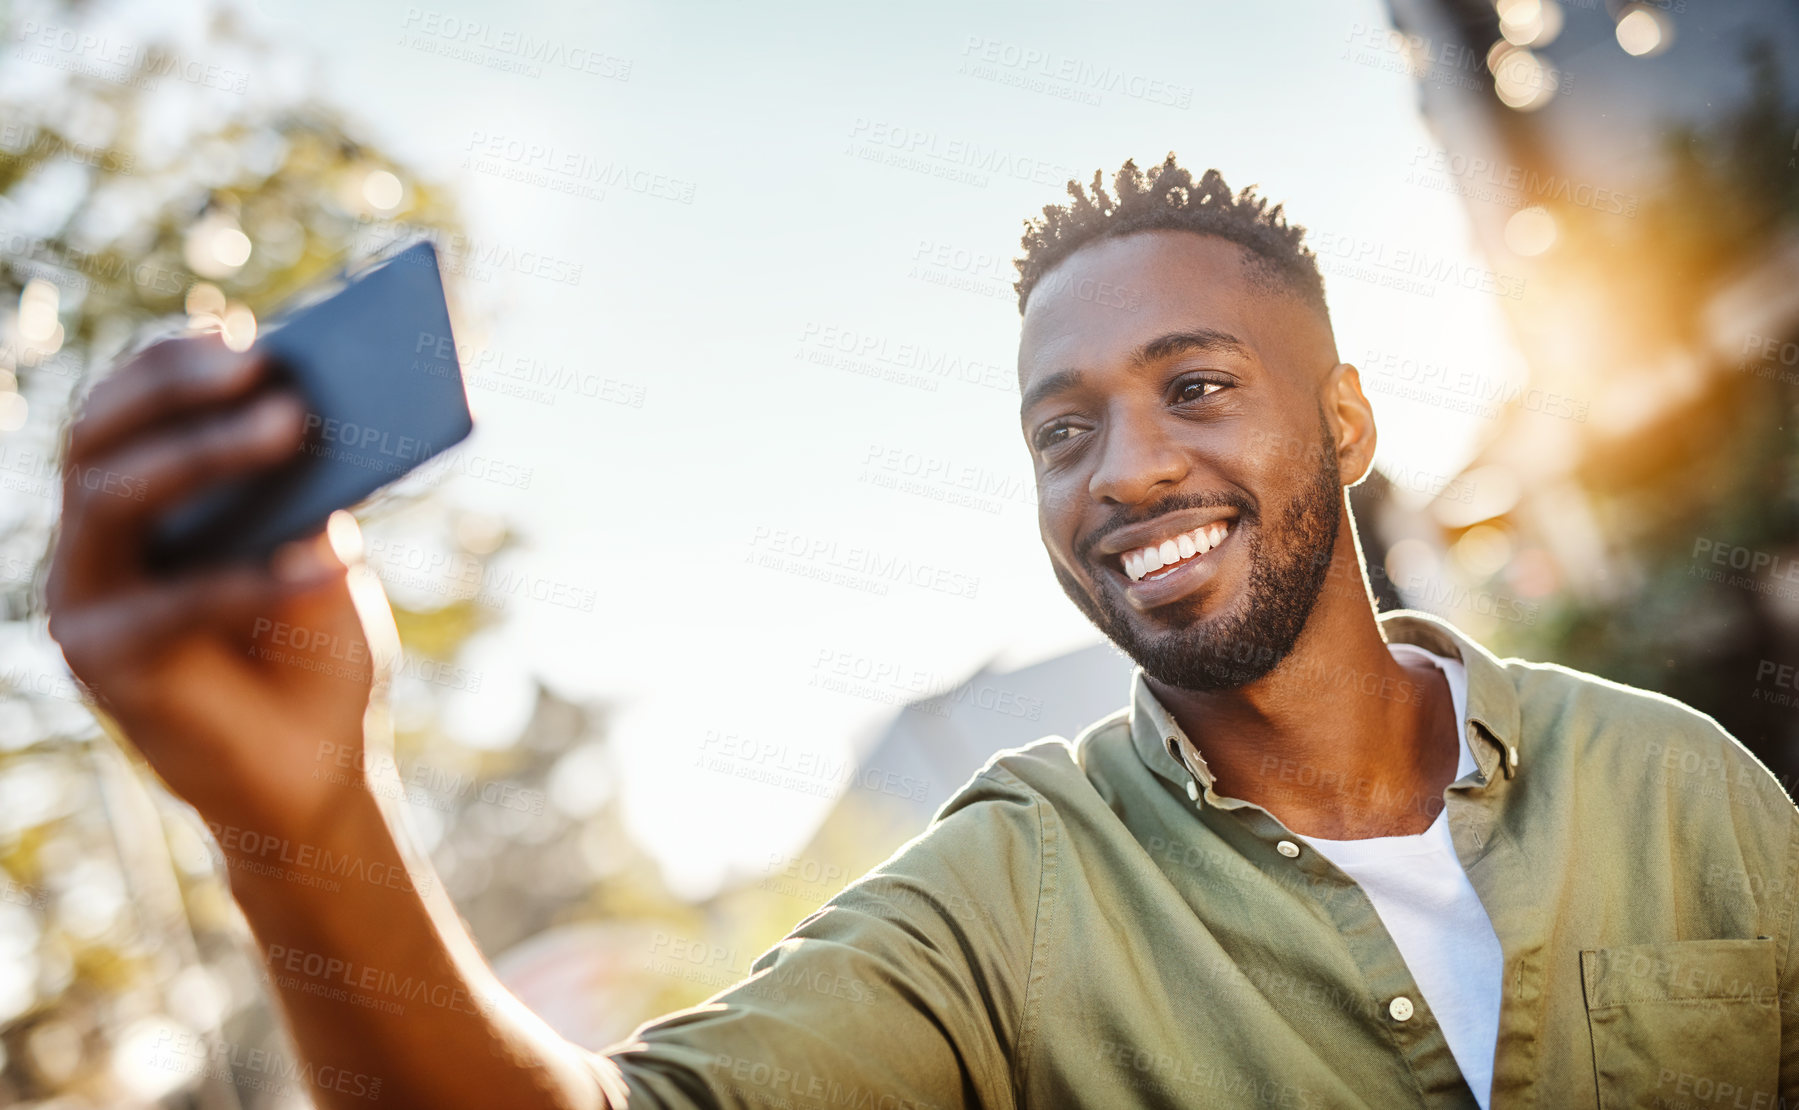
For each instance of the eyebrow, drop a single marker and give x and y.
(1197, 340)
(1200, 340)
(1062, 381)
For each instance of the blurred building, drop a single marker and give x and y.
(935, 745)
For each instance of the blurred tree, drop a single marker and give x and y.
(1641, 520)
(1714, 466)
(184, 186)
(151, 191)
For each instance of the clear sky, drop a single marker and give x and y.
(748, 190)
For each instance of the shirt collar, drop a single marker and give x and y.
(1492, 704)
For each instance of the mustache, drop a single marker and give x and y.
(1247, 511)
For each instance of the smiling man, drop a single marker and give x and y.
(1320, 858)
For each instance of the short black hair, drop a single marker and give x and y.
(1170, 200)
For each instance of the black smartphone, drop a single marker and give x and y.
(375, 362)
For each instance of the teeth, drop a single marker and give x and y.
(1148, 560)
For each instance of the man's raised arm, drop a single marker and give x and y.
(385, 993)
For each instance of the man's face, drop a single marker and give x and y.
(1197, 413)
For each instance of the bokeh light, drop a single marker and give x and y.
(1530, 231)
(1645, 32)
(1412, 561)
(205, 299)
(239, 324)
(216, 247)
(38, 323)
(1482, 551)
(18, 940)
(231, 247)
(1521, 79)
(1530, 22)
(383, 190)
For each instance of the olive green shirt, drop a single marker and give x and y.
(1096, 925)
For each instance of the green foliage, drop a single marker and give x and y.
(114, 918)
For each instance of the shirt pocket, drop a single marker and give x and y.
(1684, 1023)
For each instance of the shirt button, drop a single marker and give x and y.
(1400, 1008)
(1512, 751)
(1192, 791)
(1287, 848)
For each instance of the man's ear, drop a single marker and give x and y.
(1352, 421)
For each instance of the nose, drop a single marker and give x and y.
(1135, 459)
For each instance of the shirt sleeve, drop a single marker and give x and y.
(904, 992)
(1789, 979)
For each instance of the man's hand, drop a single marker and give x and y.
(235, 683)
(228, 679)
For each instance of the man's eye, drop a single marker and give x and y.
(1186, 393)
(1047, 437)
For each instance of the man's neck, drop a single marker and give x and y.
(1341, 740)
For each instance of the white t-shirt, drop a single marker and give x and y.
(1431, 911)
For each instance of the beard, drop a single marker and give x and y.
(1288, 564)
